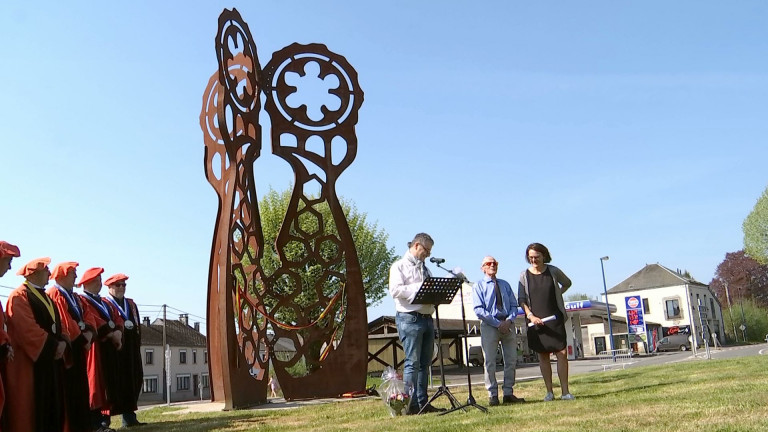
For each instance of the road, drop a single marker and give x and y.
(454, 376)
(458, 377)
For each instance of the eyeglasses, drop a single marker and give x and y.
(489, 264)
(120, 284)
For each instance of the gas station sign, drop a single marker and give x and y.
(635, 320)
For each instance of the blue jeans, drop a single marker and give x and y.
(417, 335)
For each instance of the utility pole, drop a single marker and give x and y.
(694, 338)
(166, 363)
(743, 320)
(730, 310)
(704, 328)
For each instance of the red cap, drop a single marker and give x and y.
(33, 266)
(115, 278)
(8, 250)
(63, 269)
(90, 275)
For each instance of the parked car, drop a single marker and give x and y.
(476, 356)
(674, 342)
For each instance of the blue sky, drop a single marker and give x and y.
(629, 129)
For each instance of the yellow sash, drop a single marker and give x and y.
(46, 301)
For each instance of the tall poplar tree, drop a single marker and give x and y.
(756, 230)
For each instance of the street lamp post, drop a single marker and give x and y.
(607, 306)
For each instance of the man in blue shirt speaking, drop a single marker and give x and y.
(496, 307)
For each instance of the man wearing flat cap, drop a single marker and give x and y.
(35, 376)
(102, 357)
(80, 334)
(131, 378)
(7, 253)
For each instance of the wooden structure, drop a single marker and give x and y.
(384, 348)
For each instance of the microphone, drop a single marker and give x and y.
(434, 260)
(459, 273)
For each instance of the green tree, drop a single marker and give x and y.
(294, 297)
(755, 320)
(740, 276)
(578, 297)
(370, 241)
(755, 229)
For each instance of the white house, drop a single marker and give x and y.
(579, 312)
(674, 301)
(188, 363)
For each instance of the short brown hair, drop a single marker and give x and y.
(540, 248)
(423, 239)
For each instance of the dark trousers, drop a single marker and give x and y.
(99, 420)
(129, 418)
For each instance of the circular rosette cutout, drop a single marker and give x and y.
(312, 87)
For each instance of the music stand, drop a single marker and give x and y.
(436, 291)
(470, 399)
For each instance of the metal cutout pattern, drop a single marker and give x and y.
(253, 304)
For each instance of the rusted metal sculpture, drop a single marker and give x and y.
(252, 306)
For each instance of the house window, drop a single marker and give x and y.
(712, 309)
(149, 356)
(183, 356)
(205, 356)
(205, 381)
(150, 384)
(194, 356)
(672, 308)
(182, 382)
(646, 306)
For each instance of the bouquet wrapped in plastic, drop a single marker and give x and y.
(395, 394)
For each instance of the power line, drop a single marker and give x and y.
(149, 312)
(185, 312)
(153, 308)
(169, 314)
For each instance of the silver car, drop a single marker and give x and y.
(675, 342)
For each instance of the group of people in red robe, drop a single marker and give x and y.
(70, 361)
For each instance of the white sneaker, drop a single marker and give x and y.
(568, 397)
(549, 397)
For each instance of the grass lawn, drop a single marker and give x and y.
(691, 396)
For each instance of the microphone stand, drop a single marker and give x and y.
(470, 399)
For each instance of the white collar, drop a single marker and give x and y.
(412, 259)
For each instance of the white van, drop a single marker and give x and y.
(476, 356)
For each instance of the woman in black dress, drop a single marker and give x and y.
(540, 293)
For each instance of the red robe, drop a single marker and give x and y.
(5, 342)
(76, 375)
(34, 377)
(102, 352)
